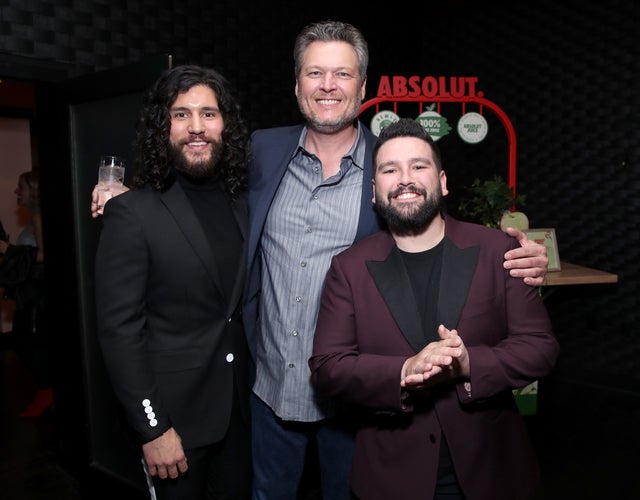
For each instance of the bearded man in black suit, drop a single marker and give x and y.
(169, 280)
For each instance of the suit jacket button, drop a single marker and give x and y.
(229, 357)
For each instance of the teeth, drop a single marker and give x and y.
(328, 101)
(406, 196)
(201, 143)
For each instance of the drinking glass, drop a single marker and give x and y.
(110, 179)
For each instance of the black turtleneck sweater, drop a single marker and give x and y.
(213, 208)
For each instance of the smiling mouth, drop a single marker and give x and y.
(328, 102)
(196, 146)
(407, 195)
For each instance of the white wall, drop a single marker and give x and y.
(15, 158)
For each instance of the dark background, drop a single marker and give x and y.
(566, 73)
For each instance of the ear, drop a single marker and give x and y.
(443, 183)
(373, 186)
(363, 89)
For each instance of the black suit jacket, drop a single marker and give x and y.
(172, 340)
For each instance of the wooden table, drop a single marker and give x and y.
(573, 274)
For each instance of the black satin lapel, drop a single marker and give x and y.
(180, 208)
(458, 268)
(241, 214)
(390, 276)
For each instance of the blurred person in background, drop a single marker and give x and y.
(22, 277)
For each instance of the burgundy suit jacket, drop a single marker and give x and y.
(369, 325)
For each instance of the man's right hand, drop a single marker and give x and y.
(165, 456)
(95, 213)
(441, 360)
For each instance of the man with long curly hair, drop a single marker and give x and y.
(169, 279)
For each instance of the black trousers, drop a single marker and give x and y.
(220, 471)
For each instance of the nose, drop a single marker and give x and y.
(406, 177)
(196, 124)
(328, 81)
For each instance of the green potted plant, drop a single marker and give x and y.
(487, 201)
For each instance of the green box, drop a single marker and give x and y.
(527, 399)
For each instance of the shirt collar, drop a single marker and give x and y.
(356, 153)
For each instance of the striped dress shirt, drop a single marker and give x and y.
(310, 220)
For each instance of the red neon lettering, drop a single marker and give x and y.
(414, 85)
(400, 86)
(471, 81)
(442, 83)
(428, 87)
(384, 87)
(457, 86)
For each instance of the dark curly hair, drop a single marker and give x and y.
(152, 140)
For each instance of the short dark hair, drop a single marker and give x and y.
(406, 127)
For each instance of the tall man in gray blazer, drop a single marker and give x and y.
(169, 280)
(423, 329)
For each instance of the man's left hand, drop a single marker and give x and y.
(530, 261)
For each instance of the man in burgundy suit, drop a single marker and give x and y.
(423, 331)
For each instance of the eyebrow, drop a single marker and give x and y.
(187, 108)
(415, 159)
(332, 69)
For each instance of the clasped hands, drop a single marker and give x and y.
(445, 359)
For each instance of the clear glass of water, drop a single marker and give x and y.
(110, 179)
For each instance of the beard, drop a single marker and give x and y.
(329, 127)
(410, 219)
(201, 166)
